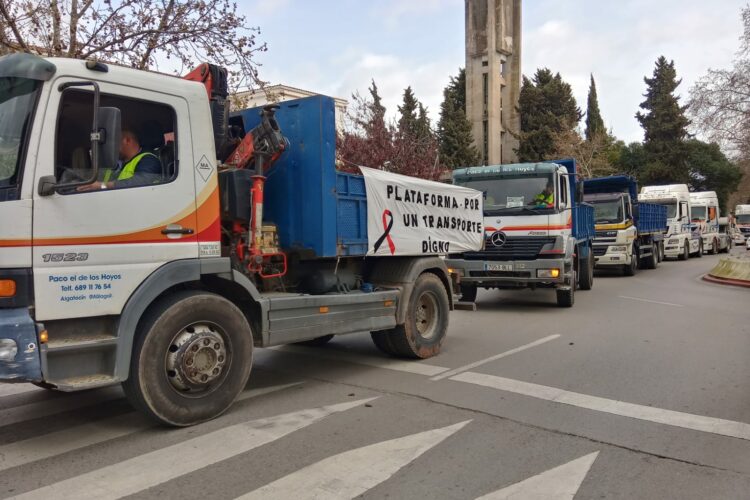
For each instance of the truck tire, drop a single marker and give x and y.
(699, 254)
(685, 252)
(468, 293)
(423, 333)
(630, 270)
(191, 359)
(715, 247)
(652, 261)
(566, 298)
(586, 273)
(317, 341)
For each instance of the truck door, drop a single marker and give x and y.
(93, 247)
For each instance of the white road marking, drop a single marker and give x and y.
(650, 301)
(11, 389)
(416, 367)
(74, 438)
(456, 371)
(353, 472)
(151, 469)
(560, 483)
(711, 425)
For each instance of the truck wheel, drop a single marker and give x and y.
(468, 293)
(422, 335)
(700, 250)
(566, 298)
(630, 270)
(652, 261)
(586, 273)
(685, 252)
(715, 247)
(191, 359)
(316, 342)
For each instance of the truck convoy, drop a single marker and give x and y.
(742, 219)
(538, 231)
(629, 232)
(248, 237)
(682, 239)
(704, 209)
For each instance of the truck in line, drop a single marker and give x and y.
(742, 220)
(248, 238)
(629, 232)
(682, 240)
(538, 231)
(704, 210)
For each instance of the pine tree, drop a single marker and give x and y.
(548, 109)
(407, 122)
(423, 126)
(594, 122)
(665, 126)
(454, 130)
(376, 108)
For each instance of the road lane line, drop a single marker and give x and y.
(673, 418)
(12, 389)
(468, 367)
(560, 483)
(415, 367)
(354, 472)
(154, 468)
(74, 438)
(650, 301)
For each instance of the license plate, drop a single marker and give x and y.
(498, 267)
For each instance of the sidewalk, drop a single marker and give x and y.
(733, 270)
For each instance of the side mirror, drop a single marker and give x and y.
(110, 130)
(579, 190)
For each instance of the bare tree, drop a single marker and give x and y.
(143, 34)
(720, 101)
(592, 156)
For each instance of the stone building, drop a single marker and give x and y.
(493, 77)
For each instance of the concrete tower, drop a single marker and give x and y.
(493, 77)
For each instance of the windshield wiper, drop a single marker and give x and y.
(496, 211)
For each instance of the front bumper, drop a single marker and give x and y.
(521, 272)
(17, 325)
(609, 258)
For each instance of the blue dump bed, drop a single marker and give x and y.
(649, 218)
(319, 212)
(583, 213)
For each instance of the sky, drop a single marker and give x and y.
(336, 47)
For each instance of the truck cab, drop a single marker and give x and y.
(683, 240)
(705, 214)
(537, 232)
(742, 220)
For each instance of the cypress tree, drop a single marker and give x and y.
(665, 126)
(454, 130)
(594, 122)
(407, 123)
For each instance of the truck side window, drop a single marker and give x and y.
(147, 150)
(564, 191)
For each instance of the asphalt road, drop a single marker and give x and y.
(639, 391)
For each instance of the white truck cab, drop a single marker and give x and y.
(682, 239)
(742, 220)
(705, 213)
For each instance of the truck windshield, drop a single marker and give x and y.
(508, 194)
(743, 219)
(698, 213)
(671, 207)
(17, 98)
(607, 211)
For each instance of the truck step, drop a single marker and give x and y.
(84, 382)
(60, 344)
(465, 306)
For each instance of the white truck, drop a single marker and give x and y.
(742, 220)
(682, 239)
(166, 281)
(704, 212)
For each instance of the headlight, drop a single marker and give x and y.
(8, 350)
(547, 273)
(618, 248)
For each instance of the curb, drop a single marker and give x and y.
(726, 281)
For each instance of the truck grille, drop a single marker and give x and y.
(499, 274)
(515, 248)
(599, 251)
(745, 230)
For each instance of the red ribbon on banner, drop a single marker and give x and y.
(386, 236)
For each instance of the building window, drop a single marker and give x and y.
(486, 91)
(486, 148)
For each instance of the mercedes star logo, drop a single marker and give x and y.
(498, 238)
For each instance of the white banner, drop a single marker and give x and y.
(410, 216)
